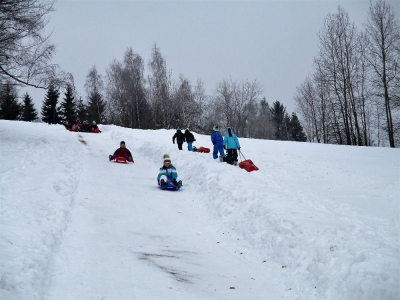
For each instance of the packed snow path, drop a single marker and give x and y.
(131, 240)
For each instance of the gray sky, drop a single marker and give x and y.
(273, 42)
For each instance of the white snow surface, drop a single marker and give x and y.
(315, 222)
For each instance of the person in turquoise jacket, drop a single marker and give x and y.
(168, 172)
(231, 144)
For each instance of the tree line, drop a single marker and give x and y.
(353, 95)
(126, 98)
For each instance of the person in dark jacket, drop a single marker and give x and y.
(85, 126)
(231, 143)
(218, 142)
(122, 151)
(180, 138)
(189, 137)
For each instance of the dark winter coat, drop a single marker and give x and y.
(123, 152)
(189, 136)
(179, 136)
(85, 127)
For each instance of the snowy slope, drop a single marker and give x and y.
(316, 222)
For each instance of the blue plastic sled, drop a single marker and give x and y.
(169, 186)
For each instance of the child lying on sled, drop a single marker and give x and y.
(168, 173)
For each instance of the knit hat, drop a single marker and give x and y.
(166, 158)
(215, 128)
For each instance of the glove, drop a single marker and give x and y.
(213, 143)
(173, 142)
(239, 148)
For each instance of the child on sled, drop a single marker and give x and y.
(122, 151)
(168, 173)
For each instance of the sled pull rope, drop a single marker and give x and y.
(241, 155)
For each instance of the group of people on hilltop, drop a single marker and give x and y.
(229, 142)
(82, 127)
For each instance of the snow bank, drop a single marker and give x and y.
(326, 217)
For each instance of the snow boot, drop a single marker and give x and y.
(180, 182)
(221, 158)
(235, 163)
(162, 181)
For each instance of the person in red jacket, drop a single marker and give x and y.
(95, 128)
(122, 151)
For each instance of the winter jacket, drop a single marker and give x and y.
(123, 152)
(230, 140)
(189, 136)
(95, 129)
(180, 137)
(217, 139)
(169, 171)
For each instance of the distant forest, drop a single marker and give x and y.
(351, 98)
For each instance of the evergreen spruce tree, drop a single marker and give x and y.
(81, 110)
(29, 113)
(68, 106)
(50, 112)
(278, 112)
(296, 130)
(10, 109)
(96, 107)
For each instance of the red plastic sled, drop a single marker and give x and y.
(203, 150)
(248, 165)
(121, 159)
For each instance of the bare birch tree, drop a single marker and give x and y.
(383, 32)
(126, 92)
(239, 103)
(159, 89)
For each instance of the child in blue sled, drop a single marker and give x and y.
(168, 173)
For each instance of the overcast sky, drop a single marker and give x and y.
(273, 42)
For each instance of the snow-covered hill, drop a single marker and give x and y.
(315, 222)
